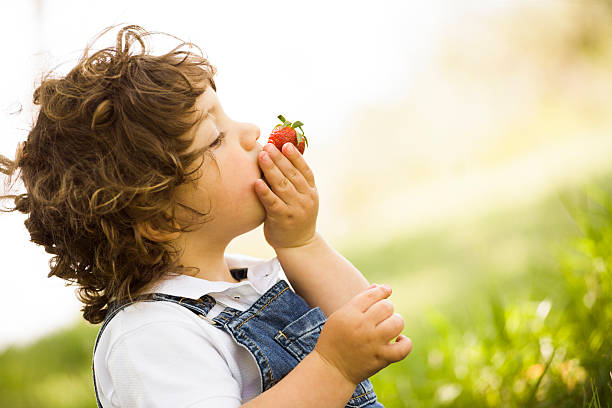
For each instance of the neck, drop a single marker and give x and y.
(208, 257)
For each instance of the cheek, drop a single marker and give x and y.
(236, 180)
(237, 169)
(239, 184)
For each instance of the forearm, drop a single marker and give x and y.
(312, 383)
(321, 275)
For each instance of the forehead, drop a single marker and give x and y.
(207, 100)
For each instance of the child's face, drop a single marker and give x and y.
(234, 203)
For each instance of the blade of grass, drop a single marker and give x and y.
(537, 384)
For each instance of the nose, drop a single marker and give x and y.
(250, 134)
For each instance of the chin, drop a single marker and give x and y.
(252, 214)
(258, 218)
(262, 218)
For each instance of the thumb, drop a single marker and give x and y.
(364, 300)
(397, 351)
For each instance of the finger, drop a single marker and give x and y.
(379, 311)
(287, 168)
(270, 201)
(397, 351)
(364, 300)
(390, 327)
(278, 183)
(296, 158)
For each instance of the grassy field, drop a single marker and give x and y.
(510, 308)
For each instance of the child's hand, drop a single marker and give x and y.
(356, 339)
(291, 199)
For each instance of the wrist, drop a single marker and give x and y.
(331, 372)
(315, 239)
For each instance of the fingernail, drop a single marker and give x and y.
(387, 287)
(290, 148)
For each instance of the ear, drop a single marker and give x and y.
(148, 231)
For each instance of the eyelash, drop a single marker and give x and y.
(218, 140)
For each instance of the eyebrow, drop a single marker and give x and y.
(208, 115)
(205, 115)
(201, 120)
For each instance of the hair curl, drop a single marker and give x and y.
(106, 153)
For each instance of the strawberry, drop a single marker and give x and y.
(286, 132)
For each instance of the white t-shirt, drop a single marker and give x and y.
(159, 354)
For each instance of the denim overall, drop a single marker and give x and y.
(279, 330)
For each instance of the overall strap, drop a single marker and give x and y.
(200, 306)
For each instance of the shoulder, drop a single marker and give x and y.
(160, 354)
(144, 313)
(142, 322)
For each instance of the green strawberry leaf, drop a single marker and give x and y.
(301, 133)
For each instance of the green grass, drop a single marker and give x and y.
(496, 306)
(53, 372)
(441, 265)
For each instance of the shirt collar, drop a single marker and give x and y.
(261, 273)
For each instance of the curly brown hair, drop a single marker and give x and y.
(107, 151)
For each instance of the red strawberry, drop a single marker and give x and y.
(286, 132)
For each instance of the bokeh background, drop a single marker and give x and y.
(462, 154)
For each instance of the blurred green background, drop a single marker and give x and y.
(512, 308)
(483, 198)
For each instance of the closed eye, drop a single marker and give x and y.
(218, 140)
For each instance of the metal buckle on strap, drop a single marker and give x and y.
(209, 320)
